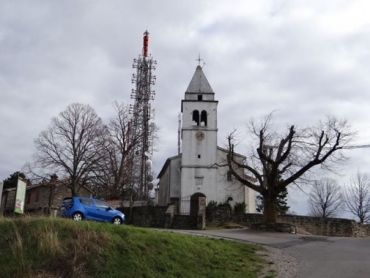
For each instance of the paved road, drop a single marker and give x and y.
(318, 256)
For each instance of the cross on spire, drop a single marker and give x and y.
(199, 60)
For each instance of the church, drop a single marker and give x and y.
(200, 169)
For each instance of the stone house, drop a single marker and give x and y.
(43, 198)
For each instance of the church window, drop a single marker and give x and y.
(203, 118)
(198, 155)
(196, 117)
(198, 180)
(229, 177)
(200, 97)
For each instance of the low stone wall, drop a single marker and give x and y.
(361, 230)
(165, 217)
(146, 216)
(317, 226)
(161, 217)
(185, 222)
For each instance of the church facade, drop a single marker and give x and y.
(200, 170)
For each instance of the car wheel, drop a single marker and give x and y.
(77, 216)
(117, 221)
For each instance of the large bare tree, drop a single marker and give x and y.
(280, 159)
(71, 146)
(117, 174)
(325, 198)
(357, 196)
(114, 172)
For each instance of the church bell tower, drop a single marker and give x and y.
(199, 137)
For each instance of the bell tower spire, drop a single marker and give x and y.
(199, 135)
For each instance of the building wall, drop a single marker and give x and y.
(199, 180)
(9, 200)
(190, 106)
(198, 169)
(37, 198)
(230, 187)
(45, 198)
(175, 178)
(164, 185)
(194, 96)
(170, 182)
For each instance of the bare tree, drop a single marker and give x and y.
(278, 160)
(71, 146)
(357, 196)
(117, 174)
(112, 172)
(326, 198)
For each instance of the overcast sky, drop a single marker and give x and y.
(304, 60)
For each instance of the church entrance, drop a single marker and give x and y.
(194, 203)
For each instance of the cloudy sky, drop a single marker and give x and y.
(304, 60)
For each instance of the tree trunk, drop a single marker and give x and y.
(270, 211)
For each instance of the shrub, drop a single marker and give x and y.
(240, 207)
(212, 204)
(224, 205)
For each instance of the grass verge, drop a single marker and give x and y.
(50, 247)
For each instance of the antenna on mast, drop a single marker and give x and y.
(142, 125)
(179, 135)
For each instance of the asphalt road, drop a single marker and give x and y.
(318, 256)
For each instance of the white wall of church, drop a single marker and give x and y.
(194, 96)
(170, 182)
(190, 106)
(199, 152)
(232, 188)
(198, 180)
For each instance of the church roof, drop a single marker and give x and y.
(199, 83)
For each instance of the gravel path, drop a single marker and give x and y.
(285, 265)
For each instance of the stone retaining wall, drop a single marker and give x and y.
(165, 217)
(146, 216)
(160, 217)
(317, 226)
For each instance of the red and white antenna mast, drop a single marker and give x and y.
(142, 127)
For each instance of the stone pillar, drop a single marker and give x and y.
(169, 215)
(201, 220)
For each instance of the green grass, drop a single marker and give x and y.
(50, 247)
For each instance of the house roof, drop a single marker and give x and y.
(226, 151)
(46, 184)
(168, 161)
(199, 83)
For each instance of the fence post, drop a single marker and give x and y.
(201, 219)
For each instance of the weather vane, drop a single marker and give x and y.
(199, 61)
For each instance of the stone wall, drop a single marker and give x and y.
(185, 222)
(317, 226)
(146, 216)
(361, 230)
(161, 217)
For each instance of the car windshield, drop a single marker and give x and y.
(67, 200)
(102, 204)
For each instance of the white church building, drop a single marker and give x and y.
(200, 171)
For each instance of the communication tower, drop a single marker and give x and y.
(142, 126)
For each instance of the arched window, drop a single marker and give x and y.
(203, 118)
(195, 118)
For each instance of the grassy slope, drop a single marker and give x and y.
(49, 247)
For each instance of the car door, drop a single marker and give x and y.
(103, 211)
(88, 208)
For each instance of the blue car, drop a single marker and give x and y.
(80, 208)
